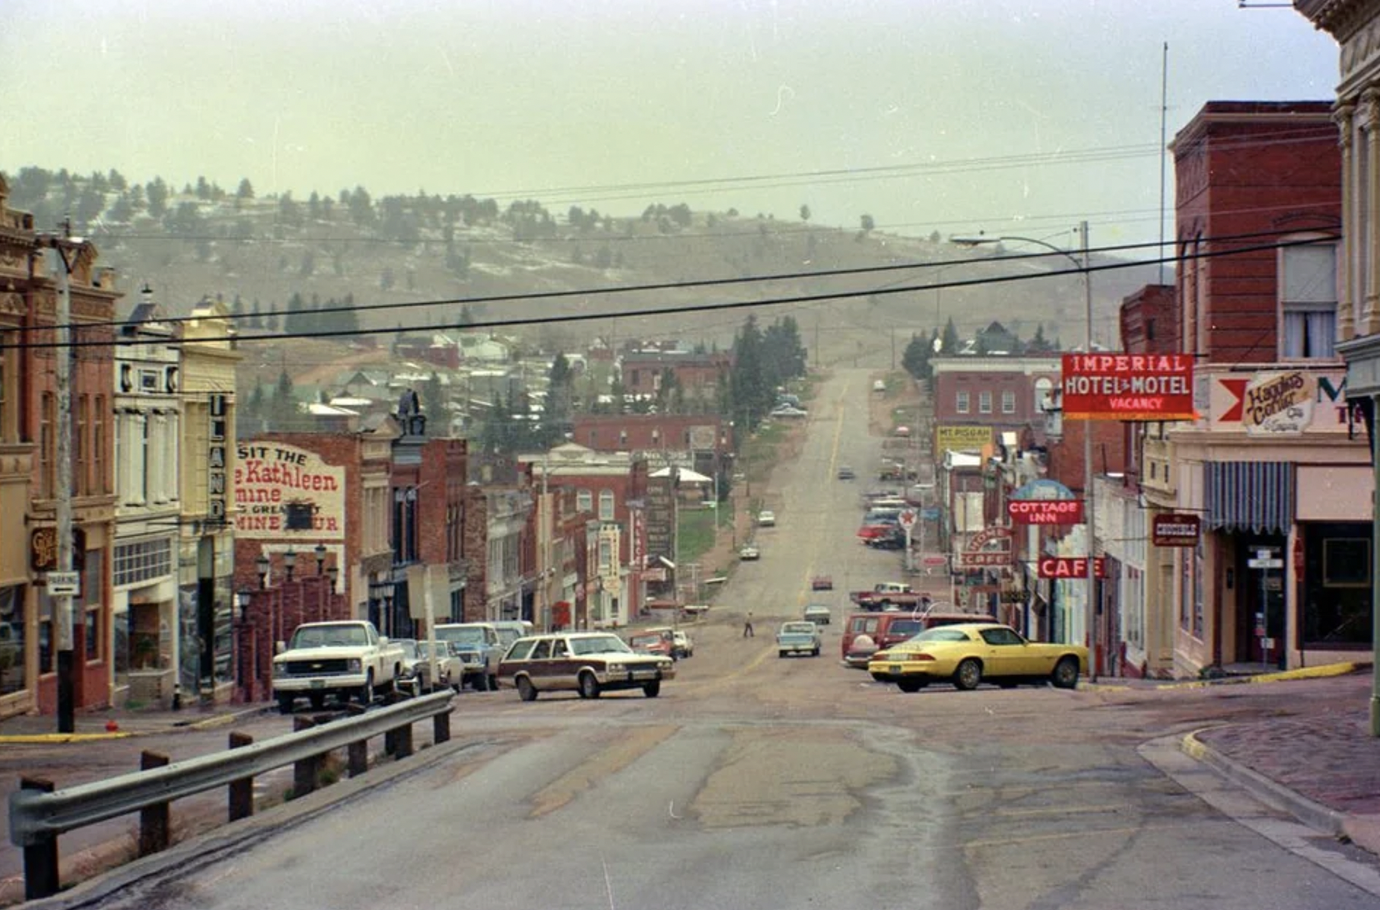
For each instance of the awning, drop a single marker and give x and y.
(685, 476)
(1256, 496)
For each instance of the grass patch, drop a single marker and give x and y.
(695, 530)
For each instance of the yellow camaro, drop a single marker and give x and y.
(971, 653)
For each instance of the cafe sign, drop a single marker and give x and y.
(1278, 404)
(1071, 567)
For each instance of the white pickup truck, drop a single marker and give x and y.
(345, 659)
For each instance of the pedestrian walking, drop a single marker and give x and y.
(747, 626)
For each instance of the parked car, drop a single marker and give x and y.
(589, 663)
(343, 659)
(766, 518)
(418, 675)
(480, 650)
(822, 583)
(845, 472)
(818, 614)
(786, 410)
(659, 642)
(971, 653)
(886, 629)
(684, 644)
(798, 637)
(749, 552)
(510, 630)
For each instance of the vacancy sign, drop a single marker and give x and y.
(1135, 387)
(1045, 511)
(1071, 567)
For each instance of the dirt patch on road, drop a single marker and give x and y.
(629, 746)
(789, 777)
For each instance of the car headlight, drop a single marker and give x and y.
(616, 668)
(355, 665)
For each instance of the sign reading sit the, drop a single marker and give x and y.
(1045, 511)
(1071, 567)
(1134, 387)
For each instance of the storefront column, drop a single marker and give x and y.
(1374, 574)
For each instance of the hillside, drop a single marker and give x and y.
(398, 250)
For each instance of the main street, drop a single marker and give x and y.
(760, 782)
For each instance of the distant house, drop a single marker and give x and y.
(484, 348)
(997, 340)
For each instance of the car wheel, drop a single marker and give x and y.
(481, 682)
(780, 653)
(589, 686)
(815, 652)
(366, 694)
(968, 675)
(285, 704)
(652, 689)
(1066, 673)
(910, 685)
(493, 682)
(526, 691)
(317, 700)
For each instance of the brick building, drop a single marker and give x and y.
(978, 398)
(698, 375)
(28, 442)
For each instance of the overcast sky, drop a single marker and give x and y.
(944, 115)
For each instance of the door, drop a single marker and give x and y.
(1260, 574)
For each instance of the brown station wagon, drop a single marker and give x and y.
(585, 662)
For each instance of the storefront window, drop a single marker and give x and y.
(12, 649)
(1197, 578)
(1336, 601)
(121, 655)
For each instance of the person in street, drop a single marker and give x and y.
(747, 626)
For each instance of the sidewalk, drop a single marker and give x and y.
(1324, 769)
(120, 724)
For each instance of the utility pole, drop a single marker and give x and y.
(1090, 608)
(64, 247)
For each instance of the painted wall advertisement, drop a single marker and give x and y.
(961, 438)
(274, 480)
(1132, 387)
(1281, 402)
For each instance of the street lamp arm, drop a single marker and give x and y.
(982, 239)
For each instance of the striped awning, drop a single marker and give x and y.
(1256, 496)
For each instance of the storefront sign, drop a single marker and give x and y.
(1045, 511)
(1134, 387)
(271, 478)
(216, 460)
(976, 555)
(1281, 403)
(1172, 530)
(1071, 567)
(43, 549)
(961, 438)
(984, 559)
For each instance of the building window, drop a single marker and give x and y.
(1186, 591)
(13, 649)
(984, 402)
(80, 447)
(47, 445)
(605, 556)
(6, 397)
(606, 505)
(1308, 301)
(1044, 393)
(142, 561)
(1008, 402)
(584, 501)
(100, 483)
(961, 402)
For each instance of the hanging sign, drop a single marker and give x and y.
(1173, 530)
(1045, 511)
(1132, 387)
(1071, 567)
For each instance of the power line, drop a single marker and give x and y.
(665, 311)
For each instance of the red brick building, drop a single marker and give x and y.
(689, 436)
(698, 375)
(28, 443)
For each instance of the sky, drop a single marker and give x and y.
(929, 115)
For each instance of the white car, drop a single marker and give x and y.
(749, 552)
(684, 644)
(788, 411)
(766, 518)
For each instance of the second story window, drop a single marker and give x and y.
(606, 505)
(1308, 302)
(961, 402)
(584, 501)
(984, 402)
(1008, 402)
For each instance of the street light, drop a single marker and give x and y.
(1085, 266)
(333, 573)
(289, 562)
(319, 551)
(261, 564)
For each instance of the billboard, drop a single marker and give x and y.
(1132, 387)
(272, 478)
(961, 438)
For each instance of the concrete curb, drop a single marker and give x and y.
(1322, 671)
(208, 723)
(1313, 814)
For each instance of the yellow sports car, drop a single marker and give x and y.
(971, 653)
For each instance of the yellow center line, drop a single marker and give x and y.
(807, 588)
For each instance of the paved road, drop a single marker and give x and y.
(757, 782)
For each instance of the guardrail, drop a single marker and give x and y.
(39, 813)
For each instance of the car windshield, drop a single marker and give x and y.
(599, 644)
(793, 628)
(642, 641)
(341, 636)
(465, 635)
(943, 634)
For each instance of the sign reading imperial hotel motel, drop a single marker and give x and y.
(1138, 387)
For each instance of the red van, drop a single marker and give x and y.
(887, 629)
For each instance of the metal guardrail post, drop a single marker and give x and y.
(402, 742)
(358, 757)
(155, 821)
(242, 790)
(40, 859)
(440, 728)
(304, 771)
